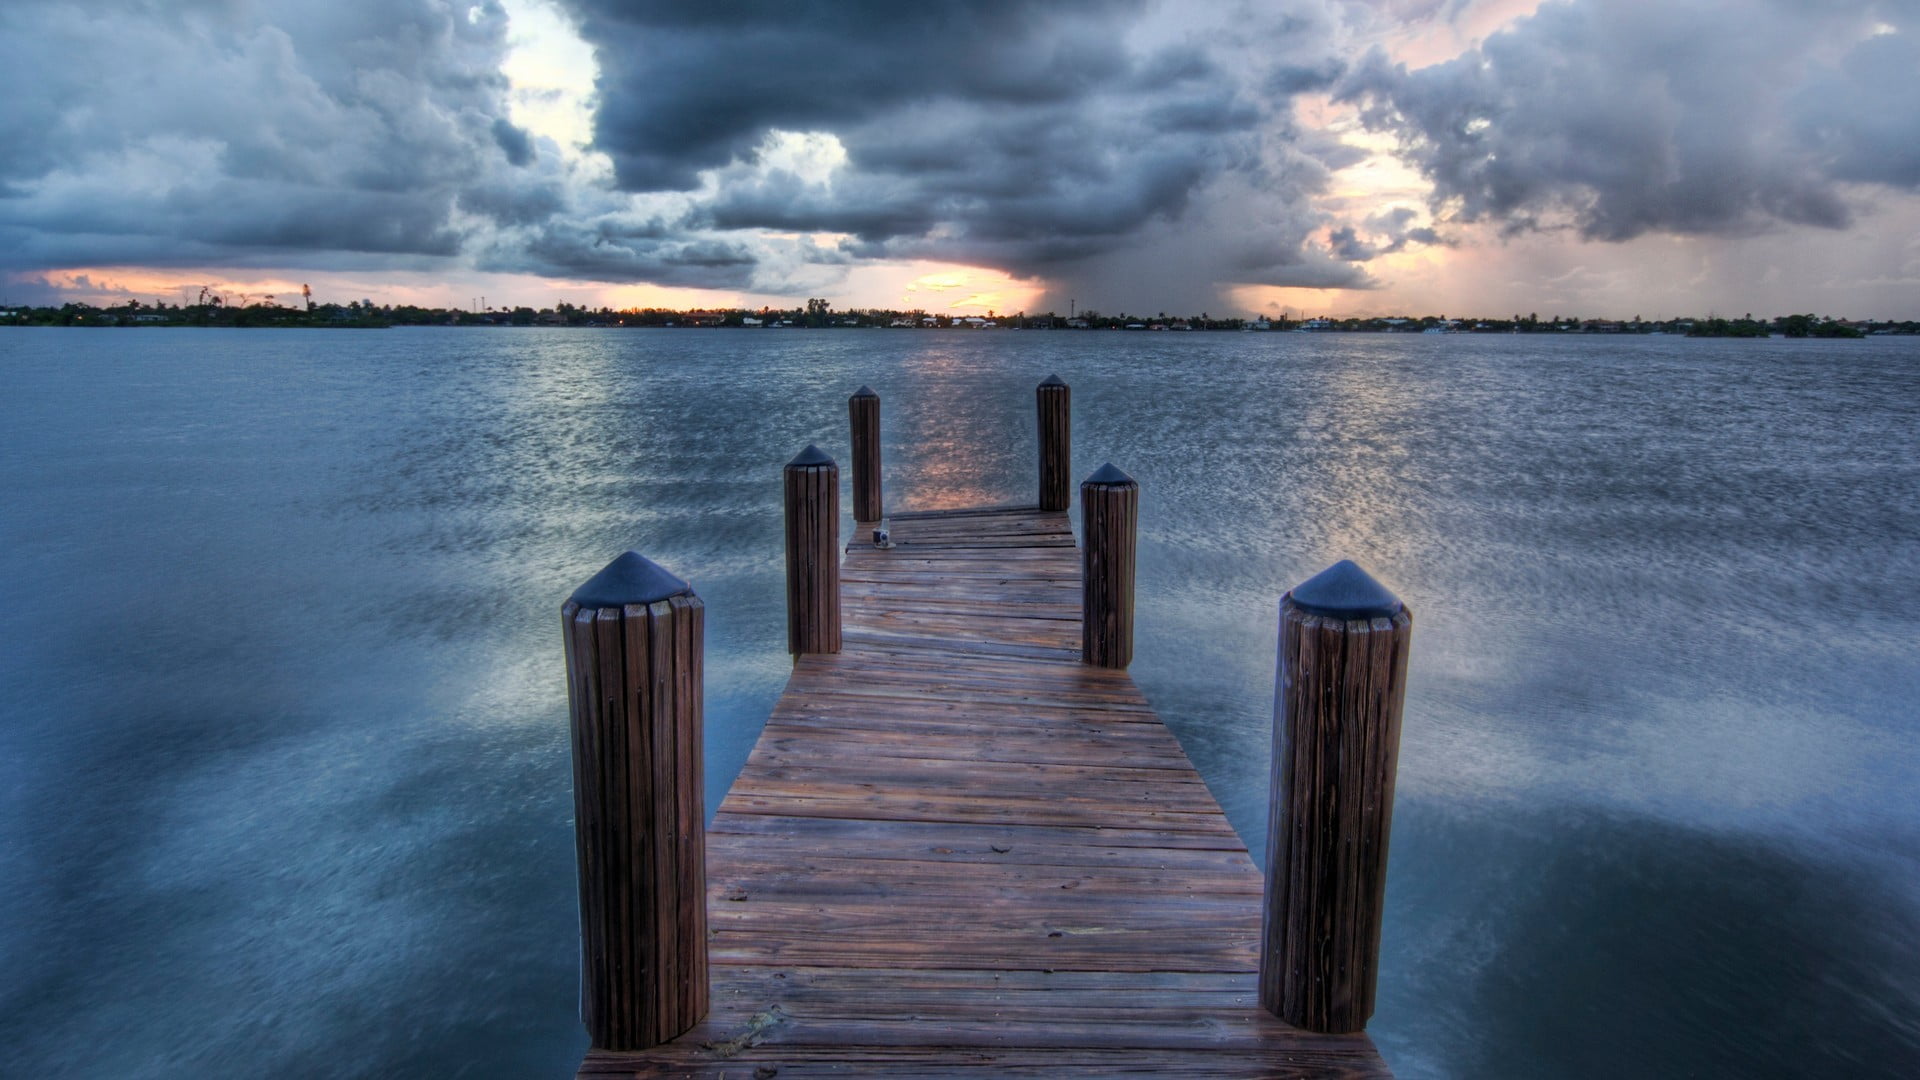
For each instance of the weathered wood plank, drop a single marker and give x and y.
(957, 850)
(966, 512)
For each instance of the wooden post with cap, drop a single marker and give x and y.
(812, 483)
(1109, 516)
(1055, 406)
(1338, 694)
(863, 416)
(634, 635)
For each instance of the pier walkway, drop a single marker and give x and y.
(958, 850)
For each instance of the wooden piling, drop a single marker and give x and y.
(1054, 402)
(1109, 516)
(634, 635)
(952, 854)
(1338, 696)
(863, 415)
(813, 553)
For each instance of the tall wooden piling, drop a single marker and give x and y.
(1338, 695)
(1109, 515)
(1055, 406)
(813, 553)
(634, 635)
(863, 416)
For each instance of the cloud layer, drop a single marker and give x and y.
(1125, 153)
(1087, 143)
(178, 133)
(1636, 116)
(1094, 143)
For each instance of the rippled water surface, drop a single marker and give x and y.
(283, 774)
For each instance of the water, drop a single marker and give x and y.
(283, 775)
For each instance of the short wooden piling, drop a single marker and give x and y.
(863, 415)
(634, 635)
(1109, 515)
(1338, 696)
(1054, 402)
(813, 553)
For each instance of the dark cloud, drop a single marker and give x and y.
(515, 142)
(1305, 78)
(1346, 244)
(1636, 116)
(1859, 116)
(624, 248)
(1127, 152)
(1387, 233)
(685, 87)
(1070, 141)
(183, 132)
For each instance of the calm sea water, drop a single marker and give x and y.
(283, 773)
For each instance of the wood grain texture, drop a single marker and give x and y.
(1109, 514)
(863, 418)
(633, 678)
(1339, 694)
(1054, 402)
(957, 850)
(813, 558)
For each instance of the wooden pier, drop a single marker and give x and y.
(958, 849)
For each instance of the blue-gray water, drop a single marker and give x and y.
(283, 776)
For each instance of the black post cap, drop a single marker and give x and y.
(1344, 591)
(630, 579)
(1109, 476)
(1052, 380)
(865, 391)
(812, 455)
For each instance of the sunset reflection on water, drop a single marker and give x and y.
(947, 443)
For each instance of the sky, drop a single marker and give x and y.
(1598, 158)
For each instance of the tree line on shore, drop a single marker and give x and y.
(818, 314)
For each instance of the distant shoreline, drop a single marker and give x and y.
(366, 317)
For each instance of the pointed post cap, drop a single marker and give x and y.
(1344, 591)
(1052, 380)
(812, 455)
(630, 579)
(1108, 476)
(865, 391)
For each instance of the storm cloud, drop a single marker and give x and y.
(1064, 141)
(183, 133)
(1635, 116)
(1124, 153)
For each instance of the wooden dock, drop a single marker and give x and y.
(959, 850)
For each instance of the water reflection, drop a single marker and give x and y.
(1611, 945)
(1658, 757)
(952, 445)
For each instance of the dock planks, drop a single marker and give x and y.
(958, 851)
